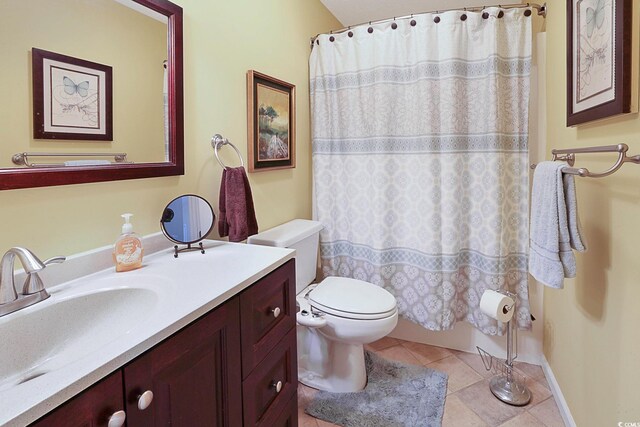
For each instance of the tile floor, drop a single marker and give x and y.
(469, 402)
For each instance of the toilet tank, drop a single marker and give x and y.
(302, 235)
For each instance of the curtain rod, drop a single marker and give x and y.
(541, 8)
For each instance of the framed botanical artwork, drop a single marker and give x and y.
(72, 98)
(598, 59)
(271, 123)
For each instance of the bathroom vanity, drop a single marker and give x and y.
(218, 349)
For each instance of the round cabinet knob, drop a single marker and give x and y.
(117, 419)
(277, 386)
(145, 399)
(276, 312)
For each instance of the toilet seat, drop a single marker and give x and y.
(352, 299)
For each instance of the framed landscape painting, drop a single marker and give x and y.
(72, 98)
(271, 122)
(598, 59)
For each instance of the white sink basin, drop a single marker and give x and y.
(70, 325)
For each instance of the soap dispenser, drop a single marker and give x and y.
(128, 251)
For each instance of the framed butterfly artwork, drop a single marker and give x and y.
(598, 59)
(72, 98)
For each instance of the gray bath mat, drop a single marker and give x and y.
(396, 395)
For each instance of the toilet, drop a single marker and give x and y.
(336, 317)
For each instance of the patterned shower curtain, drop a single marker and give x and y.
(420, 160)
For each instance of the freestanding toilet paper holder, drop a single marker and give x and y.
(507, 385)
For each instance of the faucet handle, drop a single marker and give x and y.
(33, 283)
(55, 260)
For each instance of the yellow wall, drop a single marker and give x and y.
(222, 41)
(93, 30)
(592, 326)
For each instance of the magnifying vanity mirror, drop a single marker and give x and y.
(187, 219)
(116, 62)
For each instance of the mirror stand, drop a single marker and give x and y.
(187, 220)
(189, 248)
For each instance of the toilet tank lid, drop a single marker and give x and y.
(287, 234)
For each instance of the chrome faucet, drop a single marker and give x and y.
(33, 290)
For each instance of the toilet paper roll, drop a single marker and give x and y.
(495, 305)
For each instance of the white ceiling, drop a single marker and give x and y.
(351, 12)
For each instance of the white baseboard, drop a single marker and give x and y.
(557, 394)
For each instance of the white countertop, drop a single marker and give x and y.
(192, 285)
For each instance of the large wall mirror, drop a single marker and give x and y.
(138, 42)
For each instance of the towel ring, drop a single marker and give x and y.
(216, 141)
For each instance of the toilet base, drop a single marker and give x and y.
(331, 366)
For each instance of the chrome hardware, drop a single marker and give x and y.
(117, 419)
(276, 312)
(33, 283)
(145, 399)
(316, 313)
(507, 385)
(22, 159)
(218, 141)
(277, 386)
(33, 290)
(569, 156)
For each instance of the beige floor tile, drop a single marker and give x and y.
(460, 374)
(544, 382)
(474, 361)
(399, 354)
(539, 392)
(532, 371)
(523, 420)
(426, 353)
(308, 391)
(383, 343)
(457, 414)
(306, 420)
(303, 400)
(479, 398)
(548, 413)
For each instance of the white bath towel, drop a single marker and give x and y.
(552, 233)
(576, 238)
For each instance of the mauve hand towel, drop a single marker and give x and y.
(237, 214)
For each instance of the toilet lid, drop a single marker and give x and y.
(352, 298)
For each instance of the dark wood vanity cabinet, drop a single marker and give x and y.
(194, 375)
(92, 408)
(235, 366)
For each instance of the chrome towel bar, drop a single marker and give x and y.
(217, 141)
(569, 155)
(22, 159)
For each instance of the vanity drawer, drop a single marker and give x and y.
(263, 403)
(287, 418)
(267, 313)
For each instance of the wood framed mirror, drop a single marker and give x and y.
(17, 122)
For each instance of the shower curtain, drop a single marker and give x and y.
(419, 137)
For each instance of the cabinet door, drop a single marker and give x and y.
(194, 375)
(91, 408)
